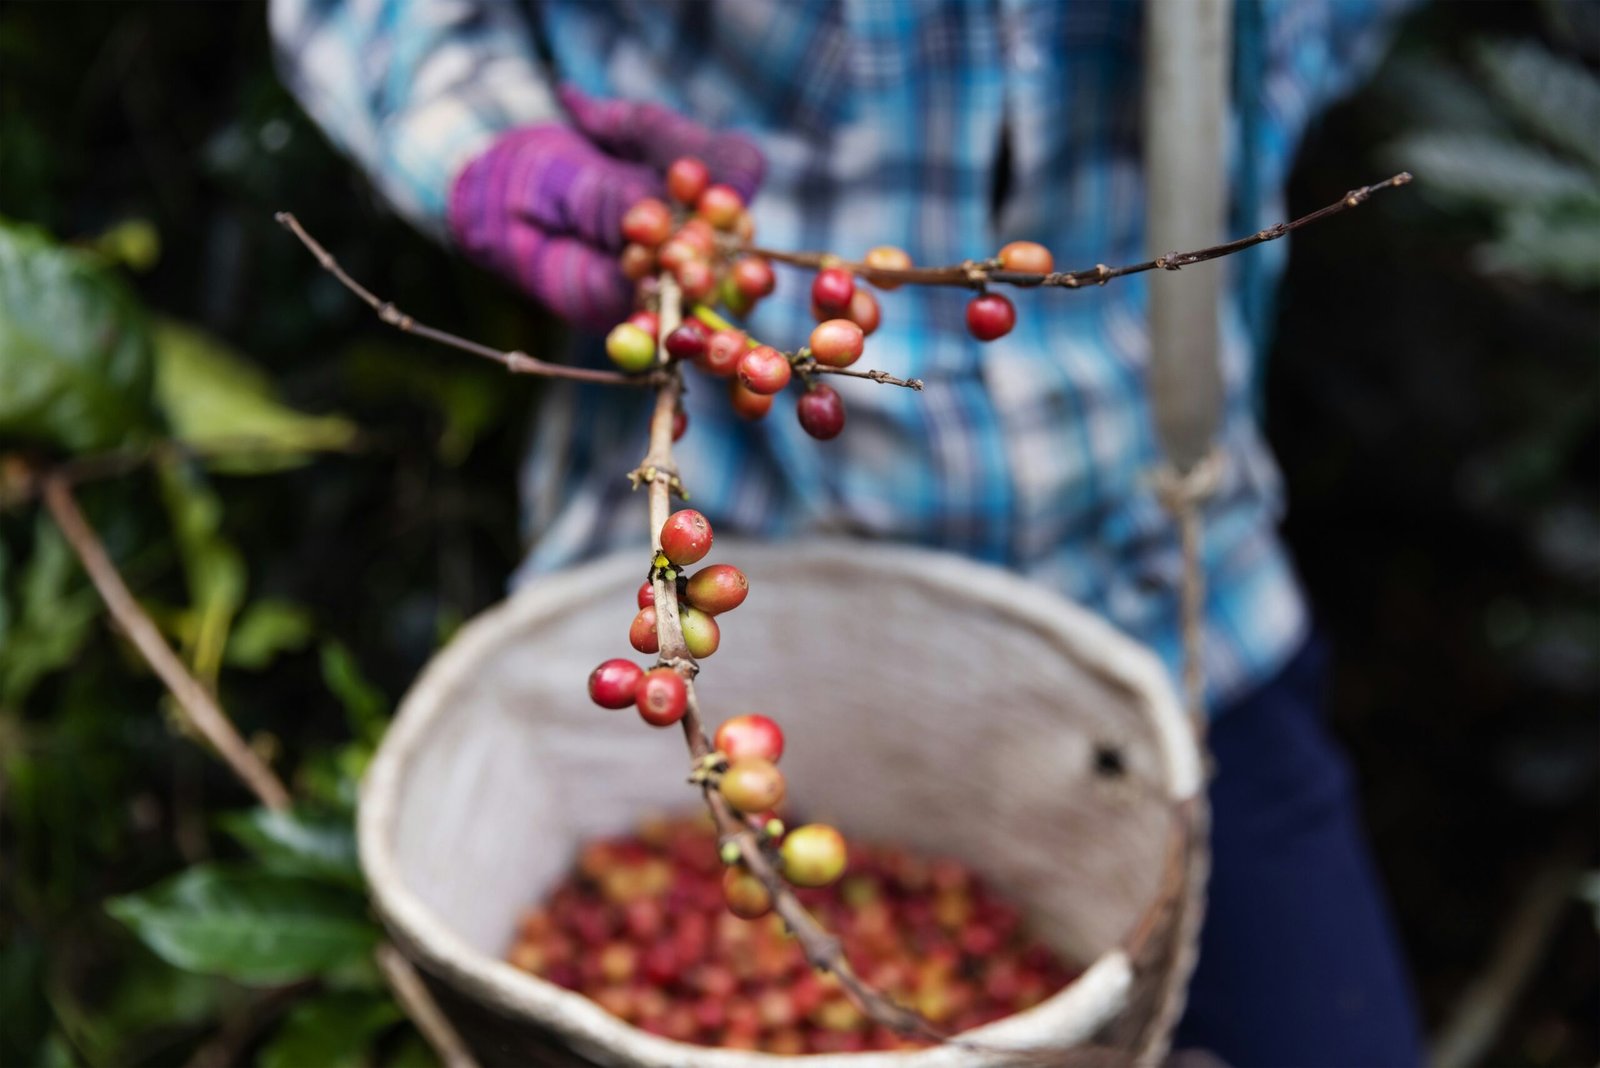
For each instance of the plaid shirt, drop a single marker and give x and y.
(883, 123)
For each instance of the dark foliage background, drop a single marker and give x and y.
(1437, 420)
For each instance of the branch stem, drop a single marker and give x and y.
(195, 703)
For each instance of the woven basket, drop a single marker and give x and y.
(928, 701)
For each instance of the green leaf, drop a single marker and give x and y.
(1557, 97)
(366, 708)
(266, 628)
(1493, 170)
(316, 844)
(213, 568)
(1556, 246)
(55, 609)
(134, 243)
(75, 363)
(331, 1031)
(253, 927)
(224, 405)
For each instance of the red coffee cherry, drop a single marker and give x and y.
(647, 594)
(864, 311)
(832, 289)
(688, 341)
(636, 261)
(813, 855)
(887, 258)
(642, 632)
(837, 342)
(680, 423)
(648, 321)
(752, 784)
(721, 206)
(697, 279)
(989, 316)
(662, 697)
(821, 412)
(613, 683)
(686, 537)
(750, 735)
(747, 404)
(700, 632)
(764, 370)
(687, 178)
(1028, 256)
(647, 223)
(754, 278)
(746, 897)
(716, 589)
(734, 299)
(677, 252)
(723, 350)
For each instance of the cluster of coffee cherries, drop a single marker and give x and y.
(660, 694)
(639, 927)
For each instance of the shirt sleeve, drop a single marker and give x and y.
(412, 89)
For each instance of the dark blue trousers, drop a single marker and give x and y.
(1299, 964)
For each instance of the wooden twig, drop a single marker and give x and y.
(195, 703)
(516, 362)
(976, 274)
(418, 1003)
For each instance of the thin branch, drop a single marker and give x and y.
(198, 708)
(516, 362)
(810, 366)
(822, 950)
(419, 1004)
(975, 274)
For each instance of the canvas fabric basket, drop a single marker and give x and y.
(928, 700)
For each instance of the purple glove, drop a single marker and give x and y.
(544, 204)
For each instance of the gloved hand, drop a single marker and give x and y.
(544, 204)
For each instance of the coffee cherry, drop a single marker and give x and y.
(687, 178)
(1027, 256)
(662, 697)
(744, 227)
(700, 632)
(837, 342)
(887, 258)
(764, 370)
(613, 683)
(723, 351)
(630, 348)
(864, 311)
(686, 536)
(688, 341)
(680, 423)
(647, 223)
(748, 404)
(721, 206)
(647, 594)
(752, 784)
(747, 898)
(989, 315)
(821, 412)
(716, 589)
(738, 303)
(753, 275)
(642, 632)
(677, 252)
(697, 279)
(636, 261)
(813, 855)
(648, 321)
(831, 290)
(750, 735)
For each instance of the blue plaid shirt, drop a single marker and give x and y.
(882, 122)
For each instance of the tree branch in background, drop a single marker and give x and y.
(198, 708)
(975, 274)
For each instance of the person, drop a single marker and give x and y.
(522, 133)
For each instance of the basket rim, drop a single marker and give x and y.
(1092, 999)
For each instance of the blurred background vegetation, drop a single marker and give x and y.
(323, 502)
